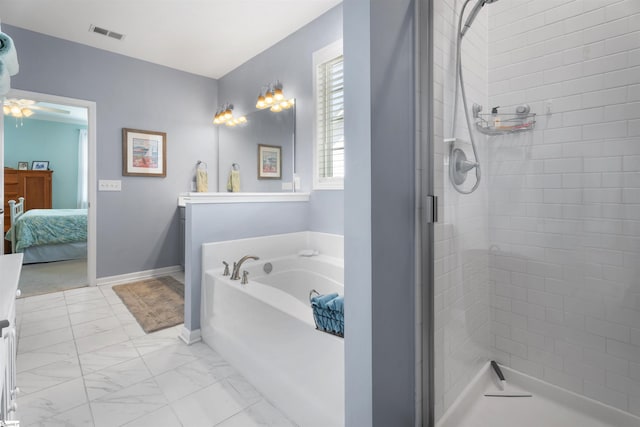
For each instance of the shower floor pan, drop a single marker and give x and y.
(550, 406)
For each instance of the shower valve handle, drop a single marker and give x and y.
(466, 165)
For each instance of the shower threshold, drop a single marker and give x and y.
(549, 406)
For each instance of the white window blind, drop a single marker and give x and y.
(329, 138)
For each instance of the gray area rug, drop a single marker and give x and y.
(156, 303)
(46, 277)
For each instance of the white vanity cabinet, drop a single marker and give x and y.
(10, 267)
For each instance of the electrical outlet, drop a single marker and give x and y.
(109, 185)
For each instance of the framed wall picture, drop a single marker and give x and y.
(23, 166)
(40, 165)
(144, 153)
(269, 161)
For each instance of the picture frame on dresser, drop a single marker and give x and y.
(23, 166)
(40, 165)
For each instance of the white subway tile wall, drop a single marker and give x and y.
(563, 200)
(462, 310)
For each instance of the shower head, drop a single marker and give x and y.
(472, 15)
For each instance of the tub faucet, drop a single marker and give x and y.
(236, 266)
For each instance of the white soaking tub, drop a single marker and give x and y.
(265, 329)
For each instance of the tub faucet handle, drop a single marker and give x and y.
(226, 268)
(245, 277)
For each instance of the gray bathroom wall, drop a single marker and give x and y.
(379, 213)
(290, 61)
(207, 223)
(137, 227)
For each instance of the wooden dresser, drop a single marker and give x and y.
(34, 186)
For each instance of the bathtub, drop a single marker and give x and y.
(265, 329)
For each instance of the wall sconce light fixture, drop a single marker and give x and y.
(224, 115)
(272, 97)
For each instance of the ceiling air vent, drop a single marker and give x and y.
(105, 32)
(115, 35)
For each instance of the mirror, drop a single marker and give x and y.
(239, 146)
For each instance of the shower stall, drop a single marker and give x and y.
(536, 166)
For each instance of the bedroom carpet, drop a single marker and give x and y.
(156, 303)
(46, 277)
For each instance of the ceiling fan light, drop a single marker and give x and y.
(261, 102)
(242, 119)
(276, 108)
(27, 112)
(15, 111)
(228, 114)
(6, 109)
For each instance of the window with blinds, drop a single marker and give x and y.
(329, 135)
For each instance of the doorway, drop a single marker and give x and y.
(45, 101)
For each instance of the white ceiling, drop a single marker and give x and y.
(205, 37)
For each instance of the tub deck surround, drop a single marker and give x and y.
(266, 329)
(220, 197)
(550, 406)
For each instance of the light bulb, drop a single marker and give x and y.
(228, 114)
(27, 112)
(261, 103)
(242, 119)
(6, 109)
(278, 95)
(268, 98)
(285, 105)
(16, 111)
(276, 108)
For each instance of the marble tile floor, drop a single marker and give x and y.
(83, 360)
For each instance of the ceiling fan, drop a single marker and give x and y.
(26, 108)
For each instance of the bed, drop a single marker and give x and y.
(47, 235)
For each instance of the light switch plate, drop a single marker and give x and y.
(109, 185)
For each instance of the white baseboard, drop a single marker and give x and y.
(190, 337)
(139, 275)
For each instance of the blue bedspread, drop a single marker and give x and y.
(49, 226)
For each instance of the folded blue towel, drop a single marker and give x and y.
(336, 304)
(5, 80)
(322, 300)
(8, 54)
